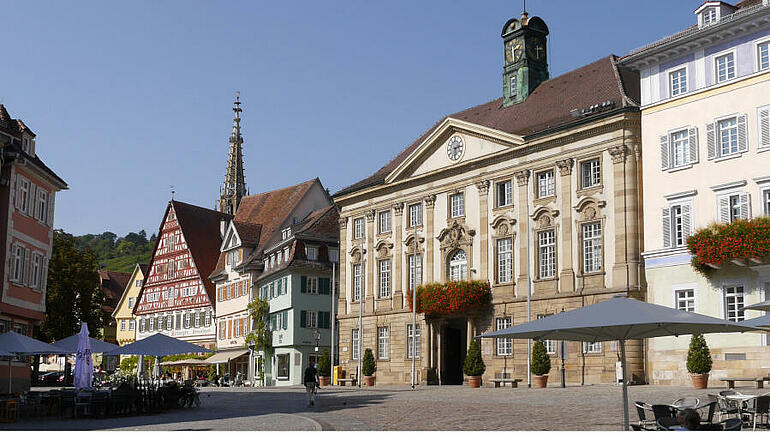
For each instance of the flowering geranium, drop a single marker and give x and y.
(451, 297)
(719, 243)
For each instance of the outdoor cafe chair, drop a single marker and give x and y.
(733, 424)
(665, 415)
(727, 407)
(761, 408)
(711, 407)
(641, 409)
(83, 403)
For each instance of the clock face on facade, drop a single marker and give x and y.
(454, 148)
(535, 48)
(514, 50)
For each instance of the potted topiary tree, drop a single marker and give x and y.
(540, 365)
(368, 367)
(324, 368)
(474, 366)
(699, 361)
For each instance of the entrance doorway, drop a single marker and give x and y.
(453, 355)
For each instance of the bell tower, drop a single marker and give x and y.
(234, 188)
(526, 59)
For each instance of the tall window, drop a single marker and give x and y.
(354, 342)
(22, 194)
(733, 303)
(677, 225)
(734, 207)
(680, 148)
(457, 205)
(36, 270)
(19, 252)
(123, 325)
(383, 343)
(684, 299)
(283, 366)
(590, 173)
(592, 247)
(412, 341)
(504, 345)
(728, 136)
(415, 215)
(545, 184)
(384, 222)
(285, 233)
(415, 270)
(311, 253)
(504, 193)
(763, 55)
(131, 301)
(766, 197)
(709, 16)
(358, 228)
(546, 242)
(678, 80)
(131, 325)
(514, 91)
(504, 260)
(356, 282)
(592, 347)
(312, 285)
(725, 66)
(311, 319)
(42, 205)
(384, 278)
(458, 266)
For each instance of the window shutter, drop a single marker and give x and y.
(327, 319)
(686, 222)
(711, 140)
(724, 209)
(51, 196)
(743, 141)
(285, 319)
(692, 134)
(303, 284)
(764, 127)
(323, 285)
(303, 318)
(26, 267)
(745, 206)
(666, 227)
(664, 163)
(32, 200)
(44, 279)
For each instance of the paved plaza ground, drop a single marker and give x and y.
(391, 408)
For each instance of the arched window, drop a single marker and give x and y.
(458, 266)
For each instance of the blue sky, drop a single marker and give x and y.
(130, 98)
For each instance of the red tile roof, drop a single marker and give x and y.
(112, 284)
(547, 108)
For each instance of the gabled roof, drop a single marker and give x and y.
(112, 283)
(138, 268)
(548, 108)
(321, 223)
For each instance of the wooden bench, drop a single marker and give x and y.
(514, 382)
(759, 380)
(345, 381)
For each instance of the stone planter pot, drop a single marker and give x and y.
(540, 380)
(323, 381)
(369, 380)
(700, 381)
(474, 381)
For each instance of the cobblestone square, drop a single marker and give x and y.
(451, 408)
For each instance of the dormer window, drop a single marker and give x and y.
(709, 16)
(285, 233)
(25, 145)
(312, 253)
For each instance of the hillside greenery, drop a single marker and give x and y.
(118, 253)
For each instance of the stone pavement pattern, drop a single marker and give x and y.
(393, 408)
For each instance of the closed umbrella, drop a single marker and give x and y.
(158, 345)
(84, 364)
(619, 319)
(20, 345)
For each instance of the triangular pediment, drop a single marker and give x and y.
(231, 239)
(453, 143)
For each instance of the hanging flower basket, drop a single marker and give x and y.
(741, 242)
(451, 297)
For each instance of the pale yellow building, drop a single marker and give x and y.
(538, 186)
(125, 321)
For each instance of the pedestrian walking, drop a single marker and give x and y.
(311, 382)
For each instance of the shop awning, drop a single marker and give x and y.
(225, 355)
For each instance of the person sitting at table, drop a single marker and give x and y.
(688, 419)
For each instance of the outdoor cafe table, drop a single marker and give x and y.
(740, 397)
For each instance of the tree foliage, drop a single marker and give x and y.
(119, 253)
(541, 362)
(260, 336)
(368, 365)
(473, 366)
(73, 295)
(325, 364)
(698, 356)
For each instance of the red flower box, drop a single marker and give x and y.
(720, 243)
(451, 297)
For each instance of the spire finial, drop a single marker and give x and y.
(524, 15)
(172, 191)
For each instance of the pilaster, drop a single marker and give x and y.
(371, 262)
(430, 202)
(483, 187)
(567, 273)
(624, 163)
(522, 181)
(397, 282)
(342, 306)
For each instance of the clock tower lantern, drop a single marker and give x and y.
(526, 60)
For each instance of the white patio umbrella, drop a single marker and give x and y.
(619, 319)
(83, 376)
(19, 345)
(158, 345)
(763, 306)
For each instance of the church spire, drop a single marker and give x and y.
(234, 188)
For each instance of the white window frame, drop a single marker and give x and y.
(311, 319)
(592, 347)
(383, 343)
(691, 302)
(546, 254)
(593, 173)
(409, 337)
(415, 272)
(504, 256)
(738, 311)
(765, 192)
(415, 214)
(674, 225)
(713, 16)
(355, 339)
(458, 266)
(23, 185)
(506, 194)
(384, 266)
(357, 282)
(358, 228)
(546, 184)
(36, 270)
(123, 325)
(456, 205)
(758, 55)
(721, 55)
(131, 325)
(687, 143)
(593, 251)
(729, 195)
(384, 222)
(312, 285)
(718, 136)
(763, 137)
(311, 252)
(503, 346)
(19, 255)
(512, 84)
(41, 205)
(673, 90)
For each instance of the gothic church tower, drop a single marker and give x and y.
(234, 188)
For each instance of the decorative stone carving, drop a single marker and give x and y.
(356, 255)
(483, 187)
(522, 177)
(384, 249)
(409, 244)
(565, 166)
(544, 221)
(370, 215)
(343, 221)
(618, 153)
(589, 213)
(503, 226)
(398, 209)
(430, 200)
(455, 236)
(501, 230)
(588, 208)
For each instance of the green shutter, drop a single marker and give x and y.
(302, 317)
(285, 319)
(272, 322)
(323, 284)
(325, 320)
(303, 286)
